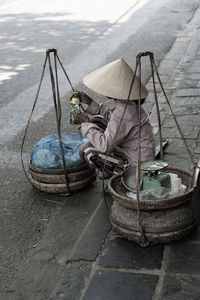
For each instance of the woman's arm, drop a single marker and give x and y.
(93, 107)
(103, 141)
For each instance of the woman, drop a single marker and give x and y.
(120, 138)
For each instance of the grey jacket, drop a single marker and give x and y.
(126, 140)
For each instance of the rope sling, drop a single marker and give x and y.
(143, 240)
(57, 106)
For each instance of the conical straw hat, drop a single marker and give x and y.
(114, 80)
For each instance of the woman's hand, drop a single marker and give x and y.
(80, 118)
(84, 98)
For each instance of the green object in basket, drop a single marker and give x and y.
(149, 183)
(152, 178)
(164, 179)
(155, 181)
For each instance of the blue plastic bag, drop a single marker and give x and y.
(46, 153)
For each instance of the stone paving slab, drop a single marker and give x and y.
(196, 203)
(179, 101)
(179, 148)
(190, 83)
(197, 149)
(194, 76)
(180, 287)
(121, 253)
(188, 92)
(185, 110)
(114, 285)
(190, 120)
(181, 161)
(184, 258)
(171, 131)
(164, 78)
(194, 237)
(195, 68)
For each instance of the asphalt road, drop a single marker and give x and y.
(86, 36)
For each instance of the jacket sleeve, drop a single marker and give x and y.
(99, 109)
(103, 141)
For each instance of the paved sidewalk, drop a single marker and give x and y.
(122, 269)
(102, 265)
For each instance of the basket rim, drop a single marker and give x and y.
(153, 204)
(79, 168)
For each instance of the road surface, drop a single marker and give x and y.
(87, 34)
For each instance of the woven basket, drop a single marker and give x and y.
(162, 220)
(53, 181)
(118, 192)
(160, 226)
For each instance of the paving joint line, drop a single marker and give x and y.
(135, 271)
(94, 266)
(71, 261)
(88, 280)
(159, 285)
